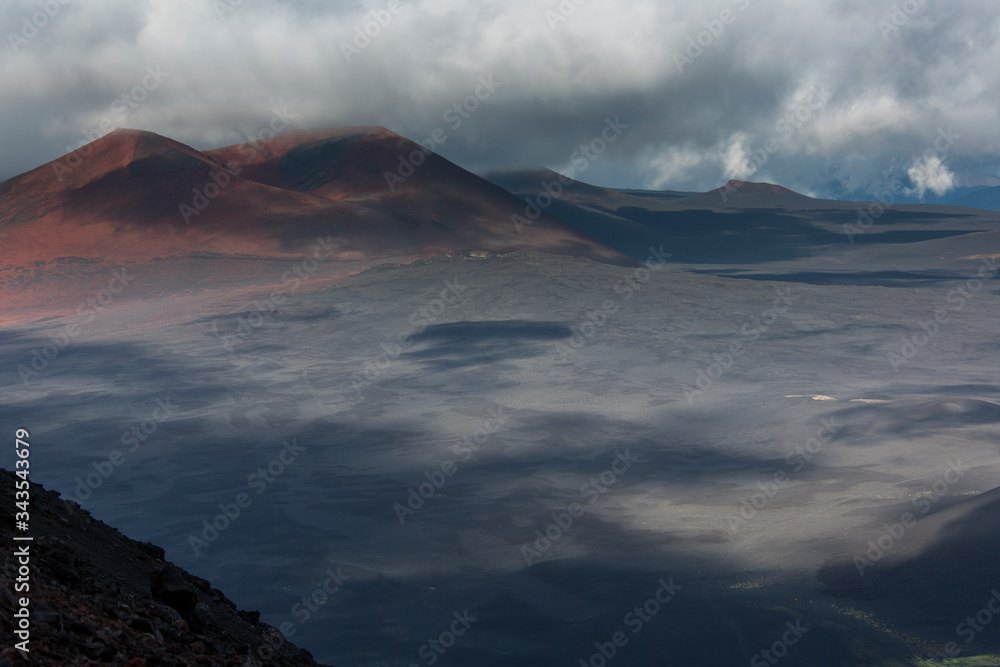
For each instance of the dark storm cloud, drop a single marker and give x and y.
(827, 98)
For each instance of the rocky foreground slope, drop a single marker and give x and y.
(99, 598)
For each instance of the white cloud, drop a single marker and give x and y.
(674, 167)
(889, 96)
(736, 163)
(930, 173)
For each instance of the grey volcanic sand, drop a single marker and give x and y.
(504, 349)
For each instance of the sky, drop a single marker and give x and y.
(840, 98)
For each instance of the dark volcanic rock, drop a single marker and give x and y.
(99, 598)
(169, 586)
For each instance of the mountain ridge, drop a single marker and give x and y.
(132, 197)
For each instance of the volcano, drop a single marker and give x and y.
(137, 199)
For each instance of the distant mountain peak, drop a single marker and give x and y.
(139, 151)
(135, 144)
(755, 188)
